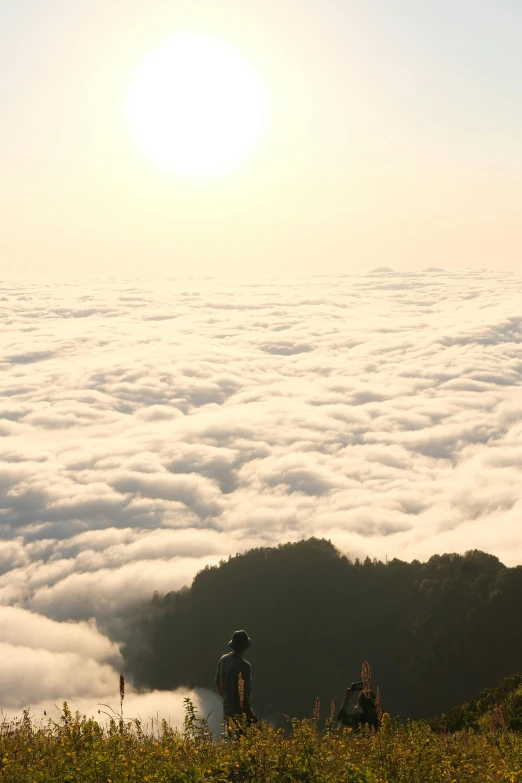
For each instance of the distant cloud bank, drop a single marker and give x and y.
(148, 429)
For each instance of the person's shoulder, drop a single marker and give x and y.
(225, 657)
(246, 663)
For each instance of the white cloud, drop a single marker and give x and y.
(107, 590)
(45, 663)
(43, 659)
(30, 674)
(21, 628)
(150, 428)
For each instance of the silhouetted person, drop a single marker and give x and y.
(234, 681)
(368, 715)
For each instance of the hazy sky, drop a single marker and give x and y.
(393, 136)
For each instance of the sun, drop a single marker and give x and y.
(196, 107)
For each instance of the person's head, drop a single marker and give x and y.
(240, 642)
(367, 701)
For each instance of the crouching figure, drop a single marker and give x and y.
(368, 715)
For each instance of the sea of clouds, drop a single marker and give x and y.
(149, 428)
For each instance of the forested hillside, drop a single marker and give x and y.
(435, 633)
(493, 708)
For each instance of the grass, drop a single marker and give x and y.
(79, 749)
(501, 704)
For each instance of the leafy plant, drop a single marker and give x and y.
(75, 749)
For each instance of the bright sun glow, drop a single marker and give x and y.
(196, 107)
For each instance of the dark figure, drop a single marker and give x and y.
(368, 715)
(234, 682)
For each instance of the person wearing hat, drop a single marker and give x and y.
(234, 679)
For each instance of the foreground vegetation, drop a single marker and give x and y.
(79, 749)
(477, 713)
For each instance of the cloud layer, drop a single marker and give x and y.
(150, 428)
(45, 662)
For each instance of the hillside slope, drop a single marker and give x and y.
(493, 707)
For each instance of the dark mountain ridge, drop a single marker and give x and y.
(434, 633)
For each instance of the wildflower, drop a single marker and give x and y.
(366, 676)
(241, 689)
(378, 705)
(386, 723)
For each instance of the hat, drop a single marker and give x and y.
(240, 640)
